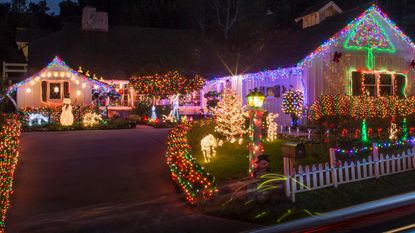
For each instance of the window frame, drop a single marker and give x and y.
(377, 85)
(48, 89)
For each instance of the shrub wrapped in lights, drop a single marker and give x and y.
(91, 119)
(10, 128)
(292, 103)
(191, 178)
(170, 83)
(361, 107)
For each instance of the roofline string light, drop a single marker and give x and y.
(57, 61)
(323, 49)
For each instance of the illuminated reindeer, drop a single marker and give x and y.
(208, 146)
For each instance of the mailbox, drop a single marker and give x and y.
(293, 150)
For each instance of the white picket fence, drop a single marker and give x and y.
(308, 178)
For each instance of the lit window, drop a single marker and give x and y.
(385, 85)
(369, 84)
(54, 91)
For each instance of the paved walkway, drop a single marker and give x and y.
(101, 181)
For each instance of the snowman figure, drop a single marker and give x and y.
(66, 116)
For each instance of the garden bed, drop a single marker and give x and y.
(315, 202)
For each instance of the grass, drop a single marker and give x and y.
(231, 161)
(316, 202)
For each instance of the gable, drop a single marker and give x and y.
(58, 69)
(393, 38)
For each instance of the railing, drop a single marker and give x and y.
(320, 176)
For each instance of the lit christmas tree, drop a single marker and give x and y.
(230, 121)
(292, 103)
(368, 34)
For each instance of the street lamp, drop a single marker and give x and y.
(255, 101)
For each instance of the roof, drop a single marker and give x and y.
(124, 51)
(292, 48)
(344, 5)
(119, 53)
(31, 34)
(288, 48)
(316, 8)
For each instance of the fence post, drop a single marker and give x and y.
(376, 159)
(333, 166)
(287, 175)
(413, 156)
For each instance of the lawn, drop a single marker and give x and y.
(231, 161)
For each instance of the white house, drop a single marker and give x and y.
(369, 56)
(52, 84)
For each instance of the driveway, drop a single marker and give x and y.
(101, 181)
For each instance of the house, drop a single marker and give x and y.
(119, 53)
(318, 13)
(369, 56)
(55, 82)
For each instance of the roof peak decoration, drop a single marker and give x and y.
(368, 34)
(324, 48)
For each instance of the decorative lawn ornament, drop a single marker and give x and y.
(364, 131)
(174, 113)
(91, 119)
(208, 146)
(153, 117)
(393, 132)
(196, 184)
(368, 34)
(262, 166)
(66, 116)
(230, 121)
(37, 118)
(272, 126)
(292, 103)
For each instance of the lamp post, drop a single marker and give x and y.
(255, 102)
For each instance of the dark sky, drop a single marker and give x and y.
(53, 4)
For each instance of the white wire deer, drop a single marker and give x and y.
(208, 145)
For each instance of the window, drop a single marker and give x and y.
(192, 99)
(270, 91)
(54, 91)
(370, 84)
(385, 85)
(277, 91)
(378, 84)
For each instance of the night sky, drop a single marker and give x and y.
(53, 4)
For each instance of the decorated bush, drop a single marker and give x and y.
(364, 117)
(10, 128)
(190, 177)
